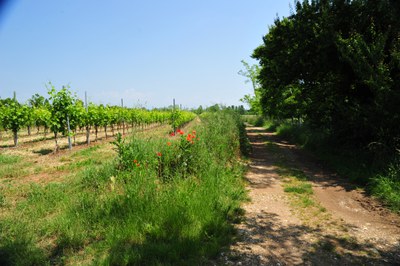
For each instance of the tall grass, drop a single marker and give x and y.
(164, 201)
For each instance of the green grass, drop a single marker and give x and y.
(8, 159)
(302, 188)
(12, 166)
(386, 186)
(296, 184)
(139, 209)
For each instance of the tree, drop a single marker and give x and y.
(42, 118)
(62, 103)
(252, 73)
(14, 117)
(336, 69)
(37, 101)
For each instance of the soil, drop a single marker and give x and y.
(44, 165)
(348, 228)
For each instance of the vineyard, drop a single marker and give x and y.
(63, 114)
(151, 197)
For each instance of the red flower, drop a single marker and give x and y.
(138, 164)
(159, 154)
(172, 134)
(169, 143)
(180, 132)
(189, 137)
(135, 161)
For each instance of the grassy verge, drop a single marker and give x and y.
(379, 175)
(163, 201)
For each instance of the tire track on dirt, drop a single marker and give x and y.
(274, 233)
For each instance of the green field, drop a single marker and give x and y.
(154, 199)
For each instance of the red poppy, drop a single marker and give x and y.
(138, 164)
(169, 143)
(159, 154)
(172, 134)
(180, 132)
(135, 161)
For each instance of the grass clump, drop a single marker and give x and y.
(387, 186)
(301, 188)
(11, 166)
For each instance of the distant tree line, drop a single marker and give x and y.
(334, 64)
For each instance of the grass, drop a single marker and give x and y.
(12, 166)
(299, 188)
(140, 209)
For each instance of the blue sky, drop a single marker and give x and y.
(146, 52)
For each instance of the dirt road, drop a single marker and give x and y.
(335, 225)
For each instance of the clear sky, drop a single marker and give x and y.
(146, 52)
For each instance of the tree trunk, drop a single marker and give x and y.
(15, 138)
(95, 131)
(57, 148)
(87, 135)
(105, 131)
(29, 130)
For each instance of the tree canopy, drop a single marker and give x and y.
(335, 64)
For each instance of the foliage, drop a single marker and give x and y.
(129, 212)
(386, 185)
(38, 101)
(251, 73)
(335, 69)
(52, 114)
(14, 116)
(62, 103)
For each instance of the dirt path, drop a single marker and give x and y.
(341, 226)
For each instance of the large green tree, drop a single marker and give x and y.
(336, 64)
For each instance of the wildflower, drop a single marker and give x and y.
(169, 143)
(138, 164)
(194, 132)
(159, 154)
(135, 161)
(172, 134)
(189, 137)
(180, 132)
